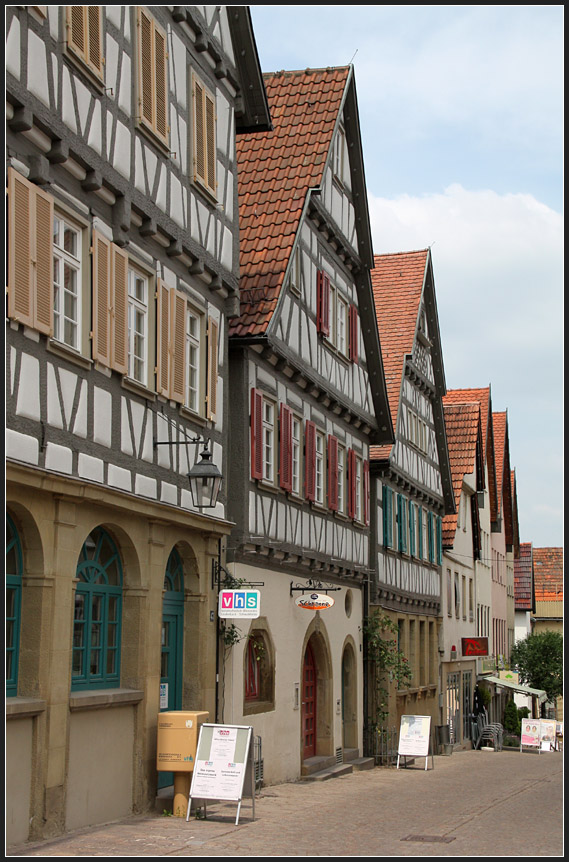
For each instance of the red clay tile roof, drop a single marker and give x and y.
(397, 282)
(275, 171)
(462, 422)
(523, 567)
(499, 422)
(462, 396)
(548, 574)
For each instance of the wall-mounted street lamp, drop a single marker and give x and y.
(204, 477)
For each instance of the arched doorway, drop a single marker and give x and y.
(349, 699)
(309, 703)
(172, 643)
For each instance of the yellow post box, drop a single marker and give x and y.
(176, 752)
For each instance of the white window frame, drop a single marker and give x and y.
(320, 468)
(63, 259)
(358, 490)
(297, 472)
(342, 473)
(137, 309)
(268, 441)
(194, 351)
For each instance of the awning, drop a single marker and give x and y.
(514, 686)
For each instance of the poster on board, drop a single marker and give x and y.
(530, 732)
(547, 734)
(221, 764)
(414, 735)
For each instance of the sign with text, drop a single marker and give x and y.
(474, 647)
(414, 735)
(239, 604)
(221, 761)
(314, 602)
(530, 732)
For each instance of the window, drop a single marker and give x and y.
(296, 455)
(320, 460)
(152, 76)
(203, 141)
(14, 572)
(358, 488)
(387, 517)
(338, 155)
(84, 36)
(341, 341)
(98, 613)
(193, 358)
(456, 595)
(449, 593)
(66, 282)
(263, 437)
(412, 527)
(259, 670)
(341, 480)
(137, 326)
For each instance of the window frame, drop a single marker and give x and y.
(320, 468)
(86, 51)
(105, 595)
(76, 264)
(136, 306)
(296, 454)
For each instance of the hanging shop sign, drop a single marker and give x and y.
(474, 646)
(235, 604)
(314, 602)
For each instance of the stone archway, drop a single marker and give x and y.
(317, 737)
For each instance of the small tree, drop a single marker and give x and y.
(539, 661)
(387, 662)
(512, 722)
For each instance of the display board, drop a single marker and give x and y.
(221, 764)
(540, 733)
(414, 737)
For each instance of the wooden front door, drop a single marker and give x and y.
(308, 704)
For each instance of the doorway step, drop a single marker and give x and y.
(352, 756)
(322, 767)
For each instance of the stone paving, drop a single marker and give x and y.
(472, 803)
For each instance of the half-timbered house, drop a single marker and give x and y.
(307, 395)
(461, 550)
(123, 271)
(411, 482)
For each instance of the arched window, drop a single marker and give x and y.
(98, 610)
(14, 570)
(259, 671)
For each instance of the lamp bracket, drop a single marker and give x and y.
(220, 577)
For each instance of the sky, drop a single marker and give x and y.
(461, 114)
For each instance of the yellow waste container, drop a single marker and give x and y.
(176, 752)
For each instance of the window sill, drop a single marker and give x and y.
(24, 707)
(63, 350)
(103, 699)
(256, 707)
(190, 414)
(138, 388)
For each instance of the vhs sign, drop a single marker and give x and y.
(239, 604)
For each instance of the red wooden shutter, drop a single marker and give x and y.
(333, 473)
(285, 447)
(310, 460)
(366, 492)
(256, 434)
(351, 483)
(353, 328)
(323, 303)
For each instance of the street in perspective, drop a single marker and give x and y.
(472, 803)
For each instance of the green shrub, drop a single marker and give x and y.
(512, 723)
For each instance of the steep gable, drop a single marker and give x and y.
(548, 574)
(503, 473)
(277, 169)
(464, 439)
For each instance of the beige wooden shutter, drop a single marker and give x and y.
(145, 67)
(177, 346)
(199, 133)
(119, 309)
(76, 30)
(212, 368)
(21, 194)
(101, 334)
(95, 39)
(43, 259)
(163, 338)
(161, 83)
(210, 141)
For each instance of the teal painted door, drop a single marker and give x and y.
(170, 672)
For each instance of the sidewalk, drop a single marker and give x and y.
(472, 803)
